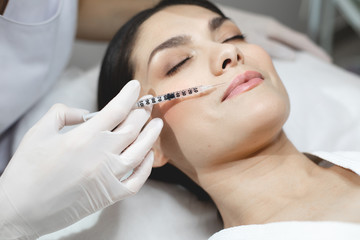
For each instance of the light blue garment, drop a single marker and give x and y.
(35, 45)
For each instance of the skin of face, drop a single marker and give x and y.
(203, 131)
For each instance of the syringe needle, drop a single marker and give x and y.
(219, 84)
(208, 87)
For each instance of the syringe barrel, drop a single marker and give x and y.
(167, 97)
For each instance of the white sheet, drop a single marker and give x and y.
(324, 116)
(158, 211)
(292, 231)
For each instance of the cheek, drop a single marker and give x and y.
(256, 56)
(181, 119)
(185, 136)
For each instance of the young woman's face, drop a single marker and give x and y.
(185, 46)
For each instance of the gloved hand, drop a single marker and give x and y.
(278, 40)
(54, 179)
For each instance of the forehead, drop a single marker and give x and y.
(167, 23)
(174, 19)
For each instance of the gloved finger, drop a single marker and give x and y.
(302, 42)
(135, 153)
(141, 173)
(145, 140)
(296, 40)
(119, 165)
(113, 189)
(123, 135)
(127, 132)
(137, 117)
(279, 50)
(59, 116)
(116, 110)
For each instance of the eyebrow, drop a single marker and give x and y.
(171, 43)
(216, 22)
(181, 40)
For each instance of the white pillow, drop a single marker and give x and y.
(325, 105)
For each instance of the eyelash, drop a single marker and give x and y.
(236, 37)
(177, 67)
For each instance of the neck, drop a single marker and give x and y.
(255, 189)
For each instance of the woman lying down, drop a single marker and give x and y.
(230, 141)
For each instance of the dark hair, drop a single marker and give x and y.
(117, 70)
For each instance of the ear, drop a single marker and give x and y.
(159, 158)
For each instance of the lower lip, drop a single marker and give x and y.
(245, 87)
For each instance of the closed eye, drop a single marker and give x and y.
(236, 37)
(177, 67)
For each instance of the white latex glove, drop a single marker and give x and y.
(54, 179)
(277, 39)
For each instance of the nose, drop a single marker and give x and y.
(225, 56)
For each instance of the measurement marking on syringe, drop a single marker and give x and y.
(171, 96)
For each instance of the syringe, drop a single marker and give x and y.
(174, 95)
(167, 97)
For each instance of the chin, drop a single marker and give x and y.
(259, 127)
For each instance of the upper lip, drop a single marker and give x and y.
(240, 79)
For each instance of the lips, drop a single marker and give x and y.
(242, 83)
